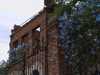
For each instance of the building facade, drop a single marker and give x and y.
(38, 31)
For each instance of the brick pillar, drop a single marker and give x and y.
(30, 41)
(47, 2)
(56, 60)
(20, 41)
(53, 60)
(11, 46)
(43, 40)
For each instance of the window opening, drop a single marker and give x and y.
(36, 36)
(25, 39)
(15, 44)
(38, 29)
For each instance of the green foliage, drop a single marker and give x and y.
(60, 6)
(80, 36)
(4, 70)
(59, 9)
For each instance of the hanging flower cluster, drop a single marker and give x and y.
(80, 35)
(18, 52)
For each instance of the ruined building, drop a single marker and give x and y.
(37, 31)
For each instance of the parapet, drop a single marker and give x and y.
(16, 28)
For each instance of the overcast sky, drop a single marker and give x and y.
(14, 12)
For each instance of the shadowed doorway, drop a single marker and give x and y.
(35, 72)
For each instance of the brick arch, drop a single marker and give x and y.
(35, 67)
(16, 73)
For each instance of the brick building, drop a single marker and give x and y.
(37, 31)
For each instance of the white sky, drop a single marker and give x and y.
(14, 12)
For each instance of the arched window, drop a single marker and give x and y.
(35, 72)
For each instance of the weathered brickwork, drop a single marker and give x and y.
(51, 57)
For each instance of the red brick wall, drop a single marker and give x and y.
(56, 61)
(40, 20)
(53, 61)
(28, 29)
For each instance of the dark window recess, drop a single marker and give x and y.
(36, 36)
(15, 44)
(35, 72)
(25, 39)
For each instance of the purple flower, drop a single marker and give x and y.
(98, 18)
(64, 15)
(63, 46)
(38, 62)
(79, 60)
(81, 8)
(27, 55)
(92, 52)
(66, 22)
(72, 40)
(61, 37)
(91, 5)
(79, 18)
(73, 54)
(98, 73)
(89, 68)
(40, 56)
(70, 27)
(59, 45)
(63, 18)
(77, 28)
(68, 41)
(60, 19)
(69, 62)
(97, 41)
(98, 5)
(39, 52)
(80, 36)
(72, 46)
(96, 30)
(63, 27)
(55, 37)
(68, 37)
(61, 32)
(66, 56)
(60, 24)
(93, 15)
(87, 0)
(21, 56)
(13, 57)
(66, 32)
(66, 47)
(32, 73)
(40, 67)
(17, 57)
(87, 3)
(70, 21)
(92, 11)
(73, 13)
